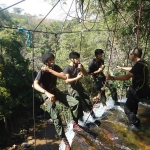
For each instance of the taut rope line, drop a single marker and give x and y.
(138, 26)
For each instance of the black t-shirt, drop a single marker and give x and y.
(141, 74)
(46, 79)
(94, 65)
(73, 72)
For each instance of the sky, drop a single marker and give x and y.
(36, 7)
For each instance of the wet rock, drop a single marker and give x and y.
(114, 134)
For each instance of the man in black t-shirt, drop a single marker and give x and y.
(138, 90)
(74, 72)
(55, 100)
(95, 68)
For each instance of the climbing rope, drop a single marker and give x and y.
(67, 16)
(81, 42)
(138, 26)
(11, 5)
(105, 19)
(46, 15)
(57, 43)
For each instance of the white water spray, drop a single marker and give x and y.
(99, 110)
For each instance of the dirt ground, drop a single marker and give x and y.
(46, 138)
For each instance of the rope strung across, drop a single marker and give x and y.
(57, 32)
(11, 6)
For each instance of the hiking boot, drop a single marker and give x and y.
(68, 147)
(77, 127)
(97, 122)
(90, 125)
(117, 103)
(132, 127)
(67, 144)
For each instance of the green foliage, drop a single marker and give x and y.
(15, 83)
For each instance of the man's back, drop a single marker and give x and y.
(141, 74)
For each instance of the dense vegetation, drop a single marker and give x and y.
(110, 25)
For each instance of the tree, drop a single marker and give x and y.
(15, 83)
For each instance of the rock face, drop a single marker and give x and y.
(113, 133)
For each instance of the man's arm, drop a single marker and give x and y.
(70, 80)
(85, 73)
(99, 70)
(58, 74)
(121, 78)
(124, 68)
(37, 87)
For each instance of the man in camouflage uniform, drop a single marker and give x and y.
(55, 100)
(74, 73)
(95, 68)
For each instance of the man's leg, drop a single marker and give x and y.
(131, 108)
(53, 110)
(74, 106)
(113, 92)
(85, 100)
(99, 84)
(70, 102)
(103, 97)
(76, 96)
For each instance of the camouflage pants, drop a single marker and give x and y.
(113, 91)
(82, 97)
(65, 106)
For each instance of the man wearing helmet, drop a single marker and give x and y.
(95, 68)
(74, 73)
(45, 82)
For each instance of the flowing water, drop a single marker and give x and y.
(113, 133)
